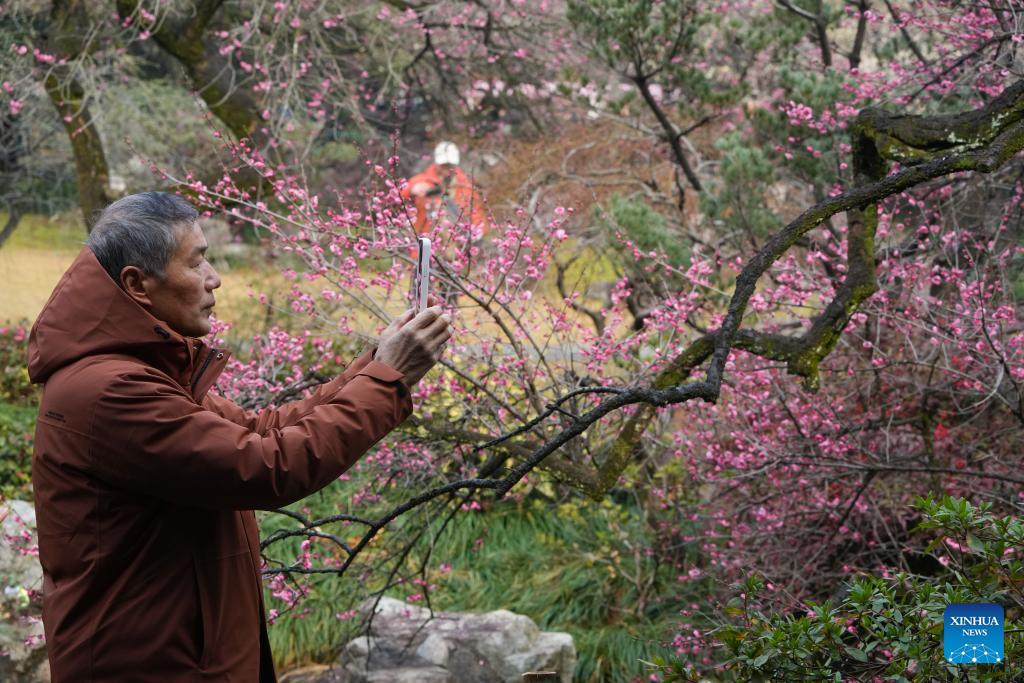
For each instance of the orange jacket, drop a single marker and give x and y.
(144, 485)
(468, 201)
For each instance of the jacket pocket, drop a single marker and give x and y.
(230, 608)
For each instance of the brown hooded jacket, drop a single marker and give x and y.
(144, 485)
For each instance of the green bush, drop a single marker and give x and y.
(17, 424)
(644, 226)
(739, 198)
(18, 398)
(885, 628)
(15, 386)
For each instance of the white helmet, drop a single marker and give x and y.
(446, 153)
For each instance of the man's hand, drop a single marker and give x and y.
(412, 345)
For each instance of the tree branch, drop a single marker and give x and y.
(672, 136)
(987, 149)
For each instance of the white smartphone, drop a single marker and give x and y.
(422, 277)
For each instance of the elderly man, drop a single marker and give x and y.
(145, 482)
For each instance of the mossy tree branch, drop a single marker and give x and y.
(980, 140)
(213, 75)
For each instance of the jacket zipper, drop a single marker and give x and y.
(202, 368)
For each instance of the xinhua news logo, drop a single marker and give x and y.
(972, 633)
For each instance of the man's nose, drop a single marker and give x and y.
(212, 279)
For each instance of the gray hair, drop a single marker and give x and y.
(140, 230)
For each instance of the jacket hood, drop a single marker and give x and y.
(88, 314)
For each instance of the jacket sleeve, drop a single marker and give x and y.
(149, 436)
(261, 421)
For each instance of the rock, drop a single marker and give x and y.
(406, 644)
(435, 650)
(22, 649)
(409, 674)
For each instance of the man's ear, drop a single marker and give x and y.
(136, 283)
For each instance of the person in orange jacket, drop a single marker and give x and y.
(442, 191)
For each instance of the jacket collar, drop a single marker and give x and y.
(88, 314)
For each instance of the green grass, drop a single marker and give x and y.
(63, 232)
(570, 569)
(575, 567)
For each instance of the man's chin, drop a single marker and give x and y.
(200, 329)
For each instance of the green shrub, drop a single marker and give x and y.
(18, 397)
(739, 198)
(15, 386)
(885, 628)
(644, 226)
(17, 425)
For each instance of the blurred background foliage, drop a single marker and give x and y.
(668, 127)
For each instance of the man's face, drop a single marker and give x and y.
(184, 299)
(446, 170)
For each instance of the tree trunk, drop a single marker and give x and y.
(12, 222)
(69, 20)
(68, 97)
(213, 75)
